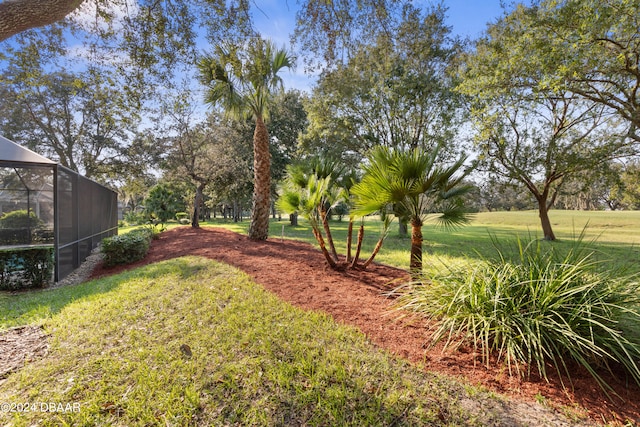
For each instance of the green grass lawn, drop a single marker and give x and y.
(615, 236)
(193, 342)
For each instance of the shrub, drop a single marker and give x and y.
(153, 230)
(164, 200)
(25, 268)
(135, 218)
(126, 248)
(539, 308)
(183, 218)
(20, 219)
(15, 225)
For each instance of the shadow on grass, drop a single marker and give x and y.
(22, 308)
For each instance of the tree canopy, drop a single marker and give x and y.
(395, 91)
(528, 130)
(589, 48)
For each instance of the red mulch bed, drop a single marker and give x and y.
(297, 273)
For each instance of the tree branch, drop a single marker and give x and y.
(20, 15)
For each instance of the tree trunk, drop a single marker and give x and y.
(375, 252)
(543, 212)
(415, 266)
(20, 15)
(293, 219)
(236, 210)
(403, 229)
(197, 201)
(259, 228)
(349, 240)
(327, 230)
(323, 248)
(358, 246)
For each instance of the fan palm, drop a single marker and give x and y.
(411, 184)
(312, 196)
(313, 189)
(244, 83)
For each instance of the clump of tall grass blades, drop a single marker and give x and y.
(548, 306)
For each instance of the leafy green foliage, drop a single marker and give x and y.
(531, 128)
(589, 48)
(77, 118)
(164, 201)
(20, 219)
(25, 268)
(127, 248)
(540, 307)
(135, 218)
(393, 90)
(18, 227)
(183, 218)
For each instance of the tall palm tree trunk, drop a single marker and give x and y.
(415, 266)
(259, 228)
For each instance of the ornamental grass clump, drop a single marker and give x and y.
(541, 309)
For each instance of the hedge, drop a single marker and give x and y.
(126, 248)
(24, 268)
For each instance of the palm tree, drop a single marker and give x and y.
(411, 184)
(244, 83)
(312, 197)
(313, 189)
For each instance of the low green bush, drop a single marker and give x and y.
(183, 218)
(20, 219)
(24, 268)
(153, 230)
(542, 309)
(135, 218)
(18, 227)
(126, 248)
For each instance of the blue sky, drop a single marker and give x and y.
(276, 19)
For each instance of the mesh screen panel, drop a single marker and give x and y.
(25, 189)
(87, 212)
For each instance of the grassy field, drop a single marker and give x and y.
(192, 342)
(614, 235)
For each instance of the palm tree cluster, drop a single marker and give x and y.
(314, 189)
(408, 184)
